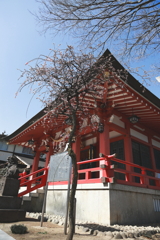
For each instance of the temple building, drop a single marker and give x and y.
(122, 184)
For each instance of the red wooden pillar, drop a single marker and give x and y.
(128, 152)
(49, 153)
(152, 154)
(157, 182)
(104, 147)
(104, 142)
(128, 145)
(35, 162)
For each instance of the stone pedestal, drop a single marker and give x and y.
(10, 204)
(9, 186)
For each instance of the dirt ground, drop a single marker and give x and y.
(48, 231)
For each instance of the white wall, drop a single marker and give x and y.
(10, 148)
(155, 143)
(92, 205)
(18, 149)
(115, 204)
(4, 155)
(139, 135)
(116, 120)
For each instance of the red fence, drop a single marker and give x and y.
(33, 181)
(144, 177)
(106, 169)
(114, 170)
(101, 173)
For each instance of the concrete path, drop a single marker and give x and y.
(5, 236)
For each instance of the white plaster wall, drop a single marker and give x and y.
(18, 149)
(133, 205)
(56, 202)
(156, 137)
(139, 135)
(91, 205)
(4, 155)
(155, 143)
(10, 148)
(90, 141)
(116, 120)
(114, 134)
(8, 153)
(115, 204)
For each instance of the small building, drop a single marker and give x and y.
(122, 188)
(24, 154)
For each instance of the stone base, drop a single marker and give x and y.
(111, 204)
(12, 215)
(9, 186)
(9, 202)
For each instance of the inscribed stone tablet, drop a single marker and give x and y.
(59, 167)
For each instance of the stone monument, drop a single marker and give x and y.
(10, 203)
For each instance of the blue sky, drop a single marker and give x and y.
(20, 41)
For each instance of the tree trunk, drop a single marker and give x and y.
(72, 196)
(74, 182)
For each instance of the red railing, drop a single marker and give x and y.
(109, 172)
(33, 181)
(102, 173)
(105, 172)
(90, 175)
(142, 179)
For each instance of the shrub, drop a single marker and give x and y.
(19, 229)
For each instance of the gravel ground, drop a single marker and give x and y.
(109, 231)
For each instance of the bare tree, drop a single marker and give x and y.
(134, 25)
(70, 85)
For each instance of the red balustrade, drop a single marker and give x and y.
(108, 171)
(102, 174)
(90, 175)
(33, 181)
(130, 176)
(105, 172)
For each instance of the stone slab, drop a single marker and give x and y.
(10, 202)
(12, 215)
(9, 186)
(5, 236)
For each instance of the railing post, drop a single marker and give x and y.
(107, 171)
(144, 179)
(87, 175)
(157, 182)
(128, 177)
(104, 178)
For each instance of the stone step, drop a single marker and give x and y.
(40, 190)
(9, 202)
(12, 215)
(33, 202)
(34, 194)
(26, 198)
